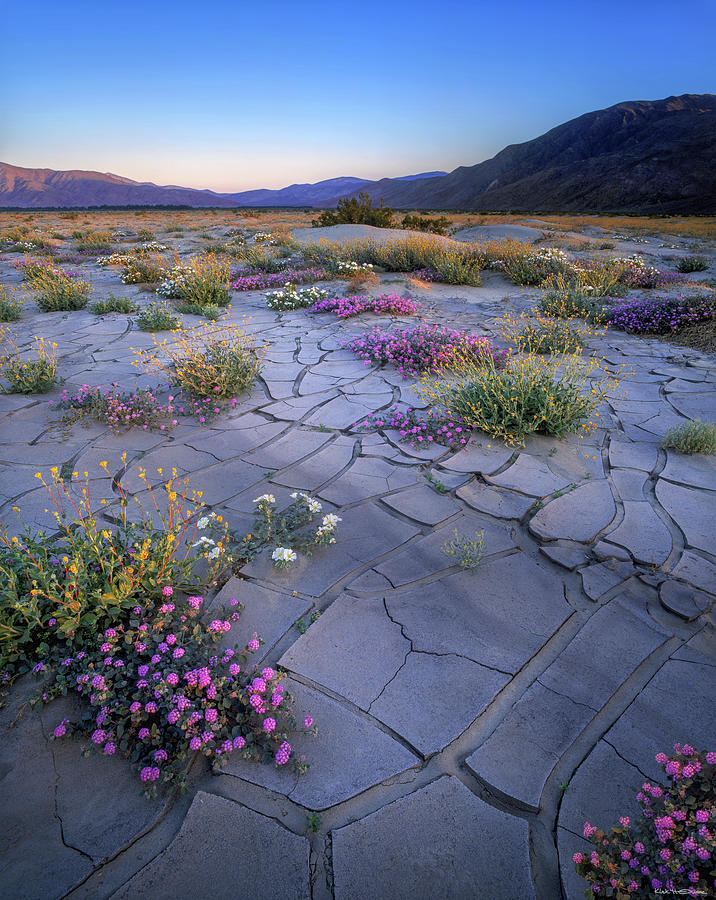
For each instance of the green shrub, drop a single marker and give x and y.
(10, 305)
(157, 317)
(144, 270)
(113, 305)
(549, 336)
(439, 225)
(357, 210)
(692, 264)
(87, 579)
(532, 394)
(146, 234)
(692, 437)
(94, 241)
(56, 291)
(27, 376)
(570, 302)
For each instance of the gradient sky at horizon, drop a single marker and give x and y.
(233, 96)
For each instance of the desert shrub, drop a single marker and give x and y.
(92, 241)
(199, 281)
(534, 267)
(158, 317)
(174, 229)
(692, 437)
(113, 305)
(291, 297)
(357, 210)
(116, 409)
(86, 578)
(145, 234)
(214, 361)
(566, 299)
(439, 225)
(456, 263)
(549, 336)
(263, 260)
(144, 270)
(386, 304)
(532, 393)
(425, 349)
(660, 315)
(207, 283)
(56, 290)
(692, 264)
(670, 847)
(22, 374)
(10, 305)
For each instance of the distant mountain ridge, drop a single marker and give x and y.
(48, 187)
(641, 156)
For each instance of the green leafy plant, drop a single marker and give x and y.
(313, 822)
(692, 437)
(214, 361)
(87, 577)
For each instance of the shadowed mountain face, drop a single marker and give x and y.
(636, 157)
(642, 156)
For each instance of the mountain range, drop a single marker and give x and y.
(641, 156)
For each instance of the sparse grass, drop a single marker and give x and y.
(113, 305)
(692, 437)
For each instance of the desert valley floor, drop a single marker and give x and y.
(469, 722)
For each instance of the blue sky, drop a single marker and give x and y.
(233, 96)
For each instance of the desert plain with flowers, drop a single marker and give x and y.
(311, 536)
